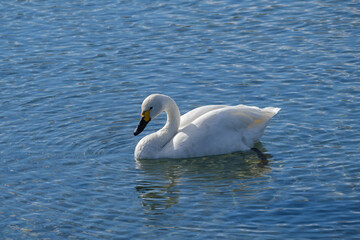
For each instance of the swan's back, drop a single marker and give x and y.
(218, 129)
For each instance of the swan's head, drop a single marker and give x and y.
(151, 107)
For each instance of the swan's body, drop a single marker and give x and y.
(208, 130)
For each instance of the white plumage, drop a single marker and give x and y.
(208, 130)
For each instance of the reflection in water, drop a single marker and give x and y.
(163, 181)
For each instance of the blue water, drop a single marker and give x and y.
(73, 75)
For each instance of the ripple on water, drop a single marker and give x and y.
(73, 76)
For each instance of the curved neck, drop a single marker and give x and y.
(172, 124)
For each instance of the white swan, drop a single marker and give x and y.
(208, 130)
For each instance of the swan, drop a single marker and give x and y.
(204, 131)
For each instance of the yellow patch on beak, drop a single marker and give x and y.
(146, 115)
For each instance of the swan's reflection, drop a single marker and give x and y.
(162, 182)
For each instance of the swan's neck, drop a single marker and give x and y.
(172, 124)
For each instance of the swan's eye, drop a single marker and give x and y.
(150, 108)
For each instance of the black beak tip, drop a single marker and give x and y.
(140, 127)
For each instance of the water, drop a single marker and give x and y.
(73, 76)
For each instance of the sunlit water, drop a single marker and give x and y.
(74, 73)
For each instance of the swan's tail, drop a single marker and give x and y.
(259, 114)
(260, 120)
(272, 111)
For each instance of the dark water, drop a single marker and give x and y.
(73, 75)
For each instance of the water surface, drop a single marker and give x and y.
(73, 76)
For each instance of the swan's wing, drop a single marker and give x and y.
(223, 130)
(189, 117)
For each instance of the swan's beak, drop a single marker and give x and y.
(143, 122)
(141, 126)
